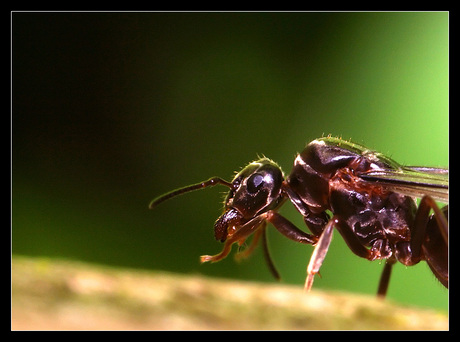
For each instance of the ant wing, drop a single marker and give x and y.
(413, 181)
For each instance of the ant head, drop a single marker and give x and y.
(255, 190)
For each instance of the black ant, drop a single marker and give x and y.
(365, 195)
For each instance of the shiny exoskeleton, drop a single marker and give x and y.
(367, 197)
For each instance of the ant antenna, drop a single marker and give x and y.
(210, 182)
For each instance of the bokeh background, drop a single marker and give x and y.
(112, 109)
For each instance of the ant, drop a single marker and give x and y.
(366, 196)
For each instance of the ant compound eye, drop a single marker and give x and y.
(254, 183)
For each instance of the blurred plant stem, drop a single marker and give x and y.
(52, 294)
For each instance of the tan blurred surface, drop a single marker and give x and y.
(52, 294)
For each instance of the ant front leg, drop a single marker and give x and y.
(284, 226)
(241, 233)
(288, 229)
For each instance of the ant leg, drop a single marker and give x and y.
(319, 253)
(411, 253)
(288, 229)
(385, 277)
(420, 224)
(427, 203)
(284, 226)
(323, 243)
(268, 259)
(314, 222)
(436, 249)
(214, 258)
(239, 235)
(261, 232)
(429, 240)
(245, 253)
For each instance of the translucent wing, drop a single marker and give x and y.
(413, 181)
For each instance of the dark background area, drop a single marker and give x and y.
(112, 109)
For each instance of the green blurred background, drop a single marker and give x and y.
(112, 109)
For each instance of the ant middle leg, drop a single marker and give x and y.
(351, 240)
(319, 253)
